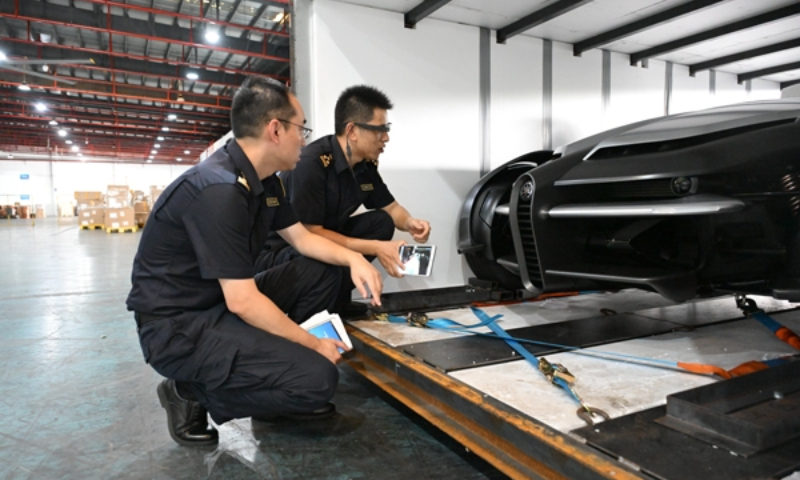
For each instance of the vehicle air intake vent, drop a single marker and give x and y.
(524, 209)
(605, 153)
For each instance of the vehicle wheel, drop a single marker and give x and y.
(486, 269)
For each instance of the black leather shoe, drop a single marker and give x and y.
(187, 420)
(326, 411)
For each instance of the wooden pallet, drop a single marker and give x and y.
(122, 230)
(93, 226)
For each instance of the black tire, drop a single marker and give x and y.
(486, 269)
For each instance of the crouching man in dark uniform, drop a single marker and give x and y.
(224, 335)
(336, 175)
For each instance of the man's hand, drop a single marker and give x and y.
(388, 253)
(419, 229)
(366, 278)
(329, 348)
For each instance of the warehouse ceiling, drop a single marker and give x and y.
(130, 80)
(140, 80)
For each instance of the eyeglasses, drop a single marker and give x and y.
(374, 128)
(306, 132)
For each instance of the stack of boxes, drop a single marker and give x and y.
(119, 213)
(91, 212)
(119, 208)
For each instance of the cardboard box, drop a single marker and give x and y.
(92, 196)
(154, 193)
(141, 207)
(91, 216)
(120, 217)
(118, 196)
(141, 218)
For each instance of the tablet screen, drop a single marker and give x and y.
(326, 330)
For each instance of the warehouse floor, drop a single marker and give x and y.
(78, 401)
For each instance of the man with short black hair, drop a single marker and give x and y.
(207, 320)
(337, 174)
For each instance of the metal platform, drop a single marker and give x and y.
(504, 410)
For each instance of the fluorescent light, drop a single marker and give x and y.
(179, 159)
(160, 139)
(171, 116)
(53, 122)
(165, 129)
(186, 152)
(68, 142)
(212, 33)
(192, 76)
(157, 145)
(62, 133)
(151, 157)
(75, 148)
(153, 151)
(3, 56)
(24, 87)
(40, 107)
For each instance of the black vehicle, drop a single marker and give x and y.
(682, 205)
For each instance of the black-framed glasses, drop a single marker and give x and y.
(305, 130)
(374, 128)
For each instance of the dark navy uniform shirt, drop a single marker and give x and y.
(210, 223)
(325, 191)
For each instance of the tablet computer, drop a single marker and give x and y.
(417, 259)
(327, 325)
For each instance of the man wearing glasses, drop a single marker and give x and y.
(339, 173)
(224, 334)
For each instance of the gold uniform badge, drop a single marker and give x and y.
(367, 187)
(273, 202)
(326, 159)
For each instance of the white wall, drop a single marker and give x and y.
(50, 181)
(431, 73)
(516, 99)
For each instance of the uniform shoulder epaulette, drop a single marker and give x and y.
(326, 159)
(240, 179)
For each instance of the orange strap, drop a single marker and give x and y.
(789, 337)
(748, 367)
(705, 369)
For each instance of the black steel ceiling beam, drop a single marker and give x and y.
(716, 32)
(126, 64)
(416, 14)
(755, 52)
(119, 25)
(767, 71)
(640, 25)
(789, 83)
(538, 17)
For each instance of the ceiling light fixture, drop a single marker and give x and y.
(75, 148)
(186, 152)
(179, 159)
(3, 56)
(68, 142)
(160, 139)
(150, 157)
(171, 116)
(45, 68)
(279, 17)
(153, 151)
(192, 76)
(53, 122)
(149, 160)
(165, 129)
(157, 145)
(62, 133)
(212, 33)
(40, 107)
(25, 87)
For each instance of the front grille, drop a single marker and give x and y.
(528, 241)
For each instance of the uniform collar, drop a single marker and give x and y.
(244, 167)
(339, 160)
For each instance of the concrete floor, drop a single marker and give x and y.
(78, 402)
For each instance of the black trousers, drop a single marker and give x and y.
(236, 370)
(372, 225)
